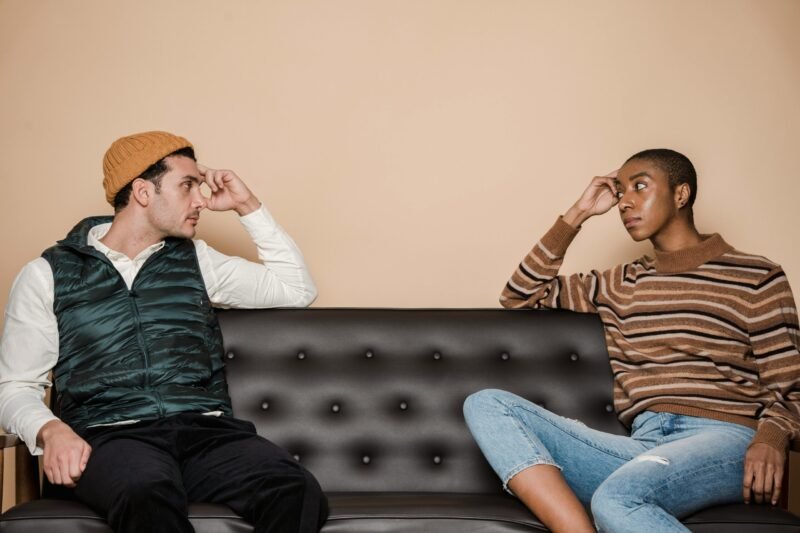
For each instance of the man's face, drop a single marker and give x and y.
(175, 210)
(647, 202)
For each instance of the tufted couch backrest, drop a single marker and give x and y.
(371, 399)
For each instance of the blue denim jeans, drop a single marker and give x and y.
(670, 466)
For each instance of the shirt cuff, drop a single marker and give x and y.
(258, 220)
(772, 434)
(559, 237)
(29, 434)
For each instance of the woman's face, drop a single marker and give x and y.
(647, 202)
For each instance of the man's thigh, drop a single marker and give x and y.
(122, 466)
(226, 461)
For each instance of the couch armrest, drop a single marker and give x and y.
(25, 467)
(9, 440)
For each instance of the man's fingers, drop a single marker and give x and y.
(219, 179)
(202, 168)
(65, 469)
(210, 175)
(50, 475)
(74, 465)
(612, 174)
(87, 451)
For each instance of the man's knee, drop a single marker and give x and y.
(302, 503)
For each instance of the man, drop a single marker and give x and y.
(121, 312)
(703, 342)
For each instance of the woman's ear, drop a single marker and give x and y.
(682, 194)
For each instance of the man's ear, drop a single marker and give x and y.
(141, 191)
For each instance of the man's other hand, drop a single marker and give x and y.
(65, 453)
(228, 191)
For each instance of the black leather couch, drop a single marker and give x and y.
(371, 401)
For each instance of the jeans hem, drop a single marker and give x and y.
(519, 468)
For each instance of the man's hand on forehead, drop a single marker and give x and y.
(228, 191)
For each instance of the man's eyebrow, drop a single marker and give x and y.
(192, 178)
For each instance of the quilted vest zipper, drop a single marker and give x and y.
(143, 348)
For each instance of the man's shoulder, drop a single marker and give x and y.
(34, 277)
(36, 268)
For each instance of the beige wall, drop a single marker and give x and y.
(414, 149)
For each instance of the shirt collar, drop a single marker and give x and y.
(99, 231)
(710, 247)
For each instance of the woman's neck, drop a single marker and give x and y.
(678, 235)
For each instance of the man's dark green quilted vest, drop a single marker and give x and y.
(145, 353)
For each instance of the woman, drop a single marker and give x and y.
(703, 344)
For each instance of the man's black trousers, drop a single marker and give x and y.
(141, 476)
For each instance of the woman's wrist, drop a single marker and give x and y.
(575, 216)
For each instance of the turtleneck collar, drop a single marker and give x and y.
(710, 246)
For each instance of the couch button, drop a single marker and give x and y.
(264, 406)
(403, 406)
(296, 457)
(366, 459)
(336, 408)
(609, 408)
(230, 355)
(573, 357)
(436, 356)
(301, 355)
(369, 354)
(437, 460)
(505, 356)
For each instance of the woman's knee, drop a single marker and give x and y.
(487, 402)
(608, 506)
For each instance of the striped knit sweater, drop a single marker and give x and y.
(706, 331)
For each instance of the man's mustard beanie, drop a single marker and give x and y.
(129, 156)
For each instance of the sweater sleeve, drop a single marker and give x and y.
(536, 283)
(774, 339)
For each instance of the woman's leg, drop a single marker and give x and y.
(700, 467)
(544, 459)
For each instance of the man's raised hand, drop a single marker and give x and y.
(228, 191)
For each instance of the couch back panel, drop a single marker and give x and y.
(371, 399)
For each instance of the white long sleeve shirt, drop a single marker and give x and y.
(29, 345)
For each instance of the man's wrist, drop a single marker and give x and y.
(46, 430)
(248, 206)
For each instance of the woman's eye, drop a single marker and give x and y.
(639, 186)
(618, 194)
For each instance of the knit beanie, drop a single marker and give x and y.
(129, 156)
